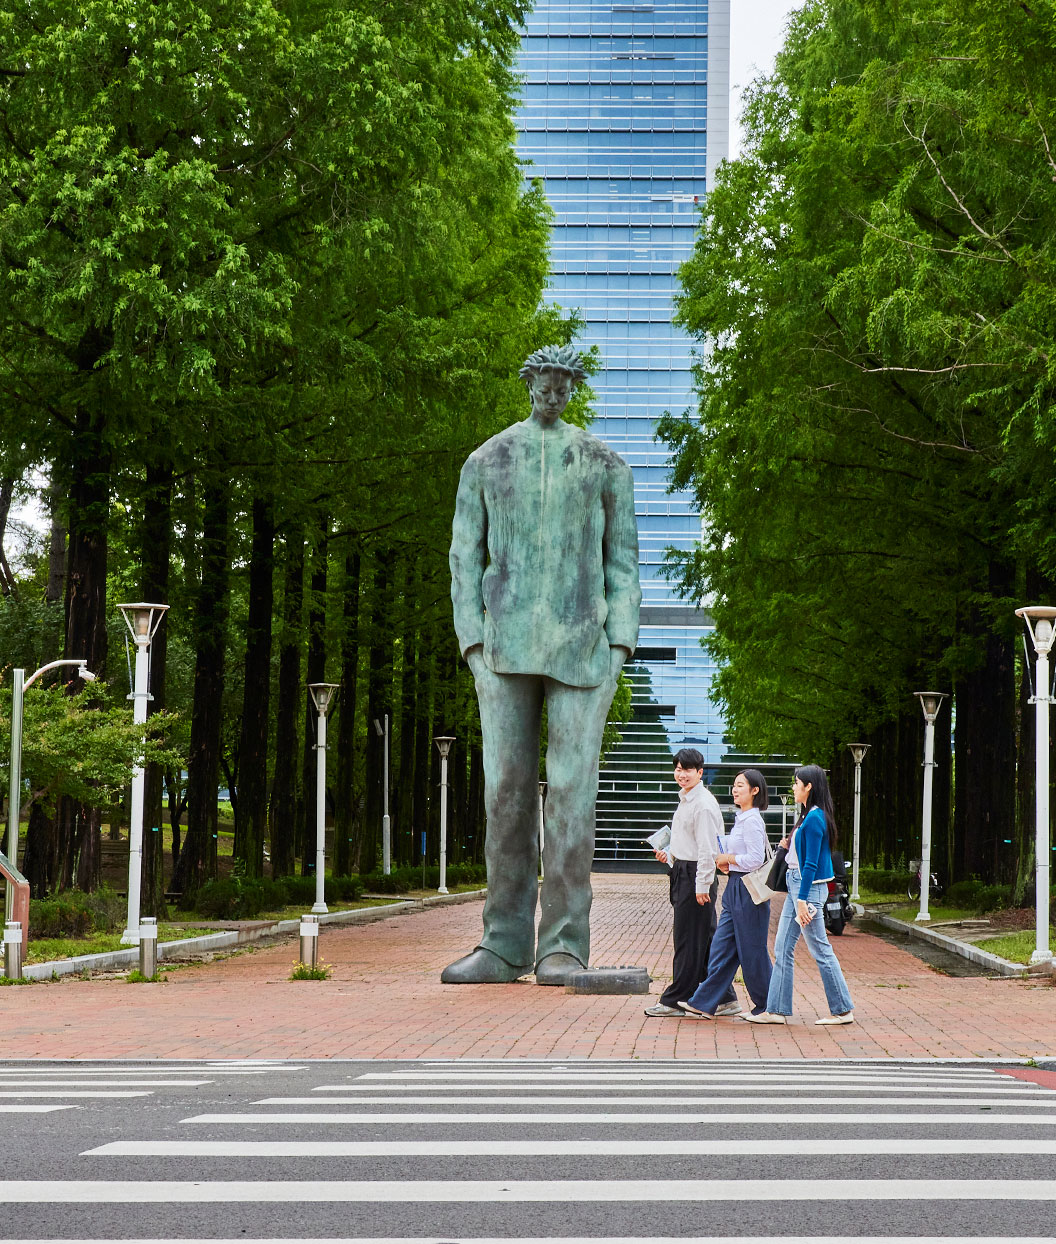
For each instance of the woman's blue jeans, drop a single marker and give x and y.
(779, 998)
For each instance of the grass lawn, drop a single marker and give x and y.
(47, 949)
(1015, 947)
(873, 897)
(909, 914)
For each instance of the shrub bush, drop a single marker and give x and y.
(409, 877)
(68, 914)
(108, 908)
(884, 880)
(975, 896)
(301, 890)
(240, 898)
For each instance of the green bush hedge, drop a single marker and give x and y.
(72, 913)
(884, 880)
(400, 880)
(977, 897)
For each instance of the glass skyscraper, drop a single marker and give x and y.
(625, 117)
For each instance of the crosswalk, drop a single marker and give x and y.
(541, 1150)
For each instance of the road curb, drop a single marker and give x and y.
(974, 954)
(116, 960)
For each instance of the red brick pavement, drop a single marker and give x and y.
(385, 1000)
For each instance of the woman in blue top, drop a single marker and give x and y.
(740, 939)
(809, 868)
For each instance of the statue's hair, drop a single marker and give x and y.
(560, 358)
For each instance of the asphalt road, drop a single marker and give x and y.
(448, 1151)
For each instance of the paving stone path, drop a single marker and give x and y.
(385, 1000)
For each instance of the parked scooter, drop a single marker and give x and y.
(838, 908)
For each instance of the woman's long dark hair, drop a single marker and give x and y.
(818, 797)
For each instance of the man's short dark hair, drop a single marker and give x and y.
(689, 758)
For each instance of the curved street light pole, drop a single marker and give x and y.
(14, 783)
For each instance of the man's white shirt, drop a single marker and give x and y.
(696, 831)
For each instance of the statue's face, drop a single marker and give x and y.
(550, 390)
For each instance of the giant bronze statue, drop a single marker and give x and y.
(544, 581)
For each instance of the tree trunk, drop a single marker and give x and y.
(404, 813)
(86, 473)
(379, 702)
(56, 587)
(156, 547)
(985, 800)
(282, 813)
(251, 820)
(423, 746)
(198, 855)
(344, 802)
(315, 671)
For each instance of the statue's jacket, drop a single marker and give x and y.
(544, 554)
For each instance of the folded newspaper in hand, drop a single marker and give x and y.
(660, 841)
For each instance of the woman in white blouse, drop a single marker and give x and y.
(740, 939)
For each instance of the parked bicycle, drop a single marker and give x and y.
(935, 886)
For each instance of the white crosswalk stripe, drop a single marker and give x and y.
(952, 1150)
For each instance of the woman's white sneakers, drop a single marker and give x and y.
(827, 1020)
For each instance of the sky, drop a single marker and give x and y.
(757, 30)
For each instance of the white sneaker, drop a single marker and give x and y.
(659, 1011)
(729, 1008)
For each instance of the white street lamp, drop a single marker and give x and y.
(785, 797)
(323, 695)
(1039, 620)
(142, 621)
(14, 784)
(930, 703)
(443, 742)
(858, 751)
(386, 823)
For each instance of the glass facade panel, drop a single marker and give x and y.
(624, 118)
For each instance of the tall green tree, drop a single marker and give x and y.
(872, 288)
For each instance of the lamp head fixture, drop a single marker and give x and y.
(143, 620)
(1039, 620)
(858, 751)
(443, 742)
(323, 695)
(85, 674)
(930, 703)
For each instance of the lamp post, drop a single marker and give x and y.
(14, 786)
(1040, 621)
(323, 695)
(930, 703)
(858, 751)
(443, 742)
(142, 621)
(386, 823)
(784, 813)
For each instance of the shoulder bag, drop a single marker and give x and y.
(758, 882)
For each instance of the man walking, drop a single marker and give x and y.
(696, 836)
(544, 582)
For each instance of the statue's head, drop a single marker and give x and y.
(551, 374)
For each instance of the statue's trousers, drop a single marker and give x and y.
(511, 708)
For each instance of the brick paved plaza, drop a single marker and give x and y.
(385, 1000)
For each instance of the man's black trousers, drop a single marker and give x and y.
(694, 926)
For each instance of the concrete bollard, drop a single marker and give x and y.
(310, 941)
(13, 950)
(148, 946)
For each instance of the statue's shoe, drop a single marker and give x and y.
(555, 969)
(481, 967)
